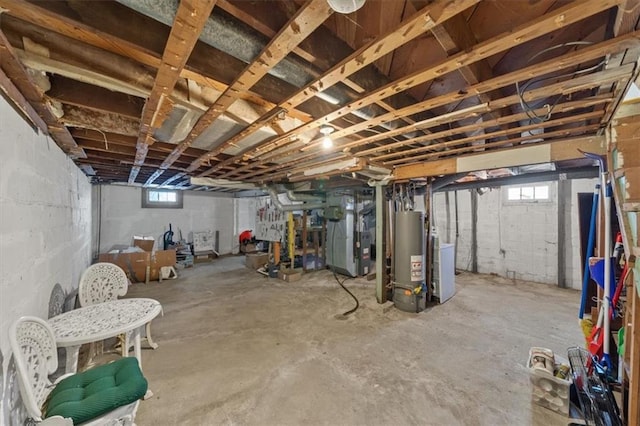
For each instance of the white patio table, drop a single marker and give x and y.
(101, 321)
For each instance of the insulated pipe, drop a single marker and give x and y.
(292, 207)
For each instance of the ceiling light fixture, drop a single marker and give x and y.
(326, 130)
(345, 6)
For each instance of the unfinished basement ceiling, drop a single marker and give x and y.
(153, 92)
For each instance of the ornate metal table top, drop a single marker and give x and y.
(98, 322)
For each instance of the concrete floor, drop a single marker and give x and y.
(238, 348)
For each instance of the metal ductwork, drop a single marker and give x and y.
(292, 207)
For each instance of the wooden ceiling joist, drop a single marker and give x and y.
(427, 18)
(569, 60)
(13, 68)
(33, 13)
(567, 87)
(459, 132)
(558, 18)
(80, 94)
(510, 157)
(188, 24)
(311, 15)
(25, 108)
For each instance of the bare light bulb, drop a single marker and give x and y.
(346, 6)
(327, 143)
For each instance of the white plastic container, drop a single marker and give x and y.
(547, 390)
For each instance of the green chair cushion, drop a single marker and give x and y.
(85, 396)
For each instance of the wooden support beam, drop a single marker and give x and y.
(562, 133)
(583, 55)
(75, 116)
(432, 150)
(510, 157)
(460, 132)
(190, 19)
(13, 69)
(555, 19)
(304, 22)
(80, 94)
(24, 107)
(566, 88)
(422, 21)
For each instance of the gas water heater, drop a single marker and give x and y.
(409, 290)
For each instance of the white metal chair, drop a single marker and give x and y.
(103, 282)
(34, 349)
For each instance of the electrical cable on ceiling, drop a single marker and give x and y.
(520, 90)
(335, 275)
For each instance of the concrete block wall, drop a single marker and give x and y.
(122, 217)
(45, 223)
(515, 239)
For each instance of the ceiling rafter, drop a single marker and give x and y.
(556, 136)
(567, 149)
(305, 21)
(417, 153)
(13, 69)
(455, 36)
(422, 21)
(23, 105)
(564, 87)
(568, 87)
(187, 26)
(44, 18)
(251, 20)
(558, 18)
(571, 59)
(583, 55)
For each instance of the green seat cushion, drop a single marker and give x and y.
(85, 396)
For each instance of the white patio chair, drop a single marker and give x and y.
(103, 282)
(63, 403)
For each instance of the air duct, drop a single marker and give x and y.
(292, 207)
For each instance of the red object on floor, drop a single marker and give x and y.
(245, 237)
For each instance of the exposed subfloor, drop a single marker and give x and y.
(238, 348)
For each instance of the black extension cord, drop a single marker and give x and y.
(341, 283)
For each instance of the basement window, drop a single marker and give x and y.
(528, 193)
(161, 198)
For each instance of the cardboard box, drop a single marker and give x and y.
(256, 260)
(248, 248)
(145, 243)
(290, 275)
(159, 259)
(135, 264)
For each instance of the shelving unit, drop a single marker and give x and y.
(624, 152)
(317, 246)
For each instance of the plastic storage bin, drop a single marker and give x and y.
(547, 390)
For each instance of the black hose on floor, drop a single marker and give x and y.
(341, 283)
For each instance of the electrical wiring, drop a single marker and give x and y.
(520, 90)
(335, 275)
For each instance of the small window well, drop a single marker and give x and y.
(160, 198)
(528, 193)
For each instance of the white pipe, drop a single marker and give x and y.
(303, 197)
(292, 207)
